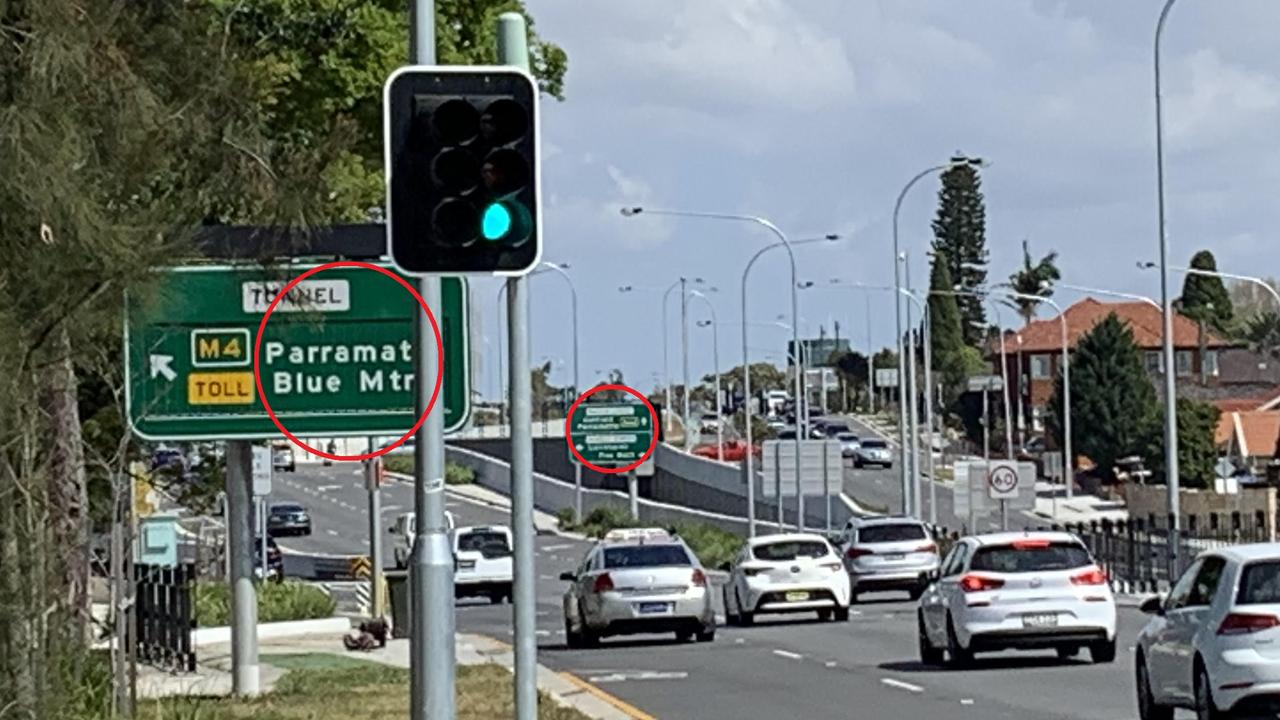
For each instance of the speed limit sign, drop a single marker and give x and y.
(1002, 481)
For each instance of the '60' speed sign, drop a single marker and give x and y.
(1002, 480)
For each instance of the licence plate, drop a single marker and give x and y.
(896, 556)
(653, 608)
(797, 596)
(1040, 620)
(467, 564)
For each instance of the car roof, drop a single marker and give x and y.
(759, 540)
(482, 528)
(1249, 552)
(886, 520)
(287, 506)
(1005, 538)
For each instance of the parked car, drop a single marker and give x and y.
(1211, 644)
(482, 562)
(405, 528)
(1017, 591)
(282, 457)
(849, 444)
(873, 451)
(734, 451)
(786, 573)
(288, 519)
(888, 553)
(836, 428)
(640, 580)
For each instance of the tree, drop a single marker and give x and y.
(1197, 451)
(959, 231)
(946, 335)
(1035, 280)
(1248, 299)
(1113, 403)
(1262, 332)
(1204, 298)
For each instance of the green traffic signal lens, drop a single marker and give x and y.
(496, 221)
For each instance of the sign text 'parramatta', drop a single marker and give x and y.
(336, 358)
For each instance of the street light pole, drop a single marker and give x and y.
(577, 388)
(715, 361)
(928, 410)
(913, 391)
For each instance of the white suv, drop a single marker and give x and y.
(1213, 644)
(1006, 591)
(482, 562)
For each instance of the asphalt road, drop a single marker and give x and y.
(866, 668)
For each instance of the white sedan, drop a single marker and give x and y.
(786, 573)
(1213, 645)
(1006, 591)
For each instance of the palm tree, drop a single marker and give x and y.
(1262, 332)
(1034, 279)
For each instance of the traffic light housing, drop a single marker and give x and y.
(462, 170)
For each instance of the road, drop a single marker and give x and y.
(866, 668)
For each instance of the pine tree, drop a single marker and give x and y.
(946, 335)
(1204, 297)
(1197, 451)
(1113, 403)
(959, 231)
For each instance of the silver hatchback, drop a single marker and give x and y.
(637, 581)
(889, 553)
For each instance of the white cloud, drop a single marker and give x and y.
(1217, 101)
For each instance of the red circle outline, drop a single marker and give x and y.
(257, 372)
(653, 415)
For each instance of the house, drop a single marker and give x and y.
(1249, 438)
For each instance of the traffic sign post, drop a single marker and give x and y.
(1002, 484)
(337, 355)
(610, 433)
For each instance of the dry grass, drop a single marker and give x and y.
(323, 687)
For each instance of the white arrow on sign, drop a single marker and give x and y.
(160, 366)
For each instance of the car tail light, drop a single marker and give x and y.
(699, 578)
(603, 583)
(1093, 576)
(978, 583)
(1030, 544)
(927, 547)
(1244, 623)
(857, 552)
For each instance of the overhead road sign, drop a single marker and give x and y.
(337, 355)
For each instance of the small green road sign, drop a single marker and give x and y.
(337, 356)
(610, 433)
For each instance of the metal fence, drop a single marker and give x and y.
(166, 615)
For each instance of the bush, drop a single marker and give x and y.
(712, 545)
(290, 600)
(454, 474)
(398, 463)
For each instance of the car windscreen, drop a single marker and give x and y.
(891, 533)
(1260, 583)
(638, 556)
(1030, 557)
(847, 437)
(488, 543)
(873, 444)
(790, 550)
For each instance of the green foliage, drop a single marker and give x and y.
(289, 600)
(947, 337)
(1197, 452)
(1204, 298)
(1033, 278)
(1262, 333)
(760, 429)
(959, 231)
(454, 473)
(1113, 403)
(712, 545)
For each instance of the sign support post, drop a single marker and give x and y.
(633, 492)
(244, 603)
(373, 483)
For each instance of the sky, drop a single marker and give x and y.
(815, 114)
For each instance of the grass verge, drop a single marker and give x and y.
(333, 687)
(454, 474)
(711, 544)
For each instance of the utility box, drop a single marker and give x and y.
(157, 542)
(401, 600)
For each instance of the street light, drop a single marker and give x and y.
(502, 385)
(795, 315)
(955, 161)
(1220, 274)
(562, 270)
(715, 361)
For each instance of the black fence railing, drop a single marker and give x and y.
(166, 615)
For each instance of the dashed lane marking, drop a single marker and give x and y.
(644, 675)
(553, 548)
(787, 654)
(829, 663)
(629, 710)
(327, 488)
(901, 685)
(966, 701)
(332, 532)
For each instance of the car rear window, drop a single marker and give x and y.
(286, 508)
(873, 443)
(891, 533)
(782, 551)
(632, 556)
(488, 543)
(1030, 557)
(1260, 584)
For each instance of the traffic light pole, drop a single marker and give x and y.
(244, 602)
(432, 653)
(513, 50)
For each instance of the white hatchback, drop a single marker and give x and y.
(1006, 591)
(1213, 644)
(786, 573)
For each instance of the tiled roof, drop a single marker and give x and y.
(1144, 320)
(1255, 432)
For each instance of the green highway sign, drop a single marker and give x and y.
(337, 356)
(610, 433)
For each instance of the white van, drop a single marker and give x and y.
(482, 562)
(404, 529)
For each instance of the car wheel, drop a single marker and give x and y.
(1148, 708)
(1205, 708)
(957, 654)
(857, 464)
(730, 618)
(842, 614)
(683, 636)
(571, 638)
(929, 655)
(824, 615)
(495, 598)
(915, 593)
(745, 617)
(1066, 653)
(707, 635)
(1103, 652)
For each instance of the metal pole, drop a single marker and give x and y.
(373, 484)
(261, 507)
(913, 412)
(871, 389)
(431, 647)
(633, 493)
(1004, 384)
(684, 363)
(244, 602)
(715, 359)
(666, 371)
(746, 409)
(504, 399)
(986, 423)
(119, 612)
(1166, 300)
(1004, 515)
(928, 415)
(513, 50)
(577, 388)
(1068, 461)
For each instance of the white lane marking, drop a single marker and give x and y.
(542, 633)
(327, 488)
(553, 548)
(829, 663)
(901, 685)
(546, 577)
(738, 641)
(391, 508)
(644, 675)
(788, 655)
(966, 701)
(332, 532)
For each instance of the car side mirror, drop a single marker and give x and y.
(1152, 606)
(568, 576)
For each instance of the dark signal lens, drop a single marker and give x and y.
(454, 222)
(455, 122)
(505, 171)
(504, 121)
(456, 170)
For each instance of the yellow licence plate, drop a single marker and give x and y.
(797, 596)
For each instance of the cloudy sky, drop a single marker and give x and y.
(816, 113)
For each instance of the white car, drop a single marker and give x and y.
(786, 573)
(1023, 591)
(405, 528)
(1213, 644)
(482, 562)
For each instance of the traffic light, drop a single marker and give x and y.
(462, 169)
